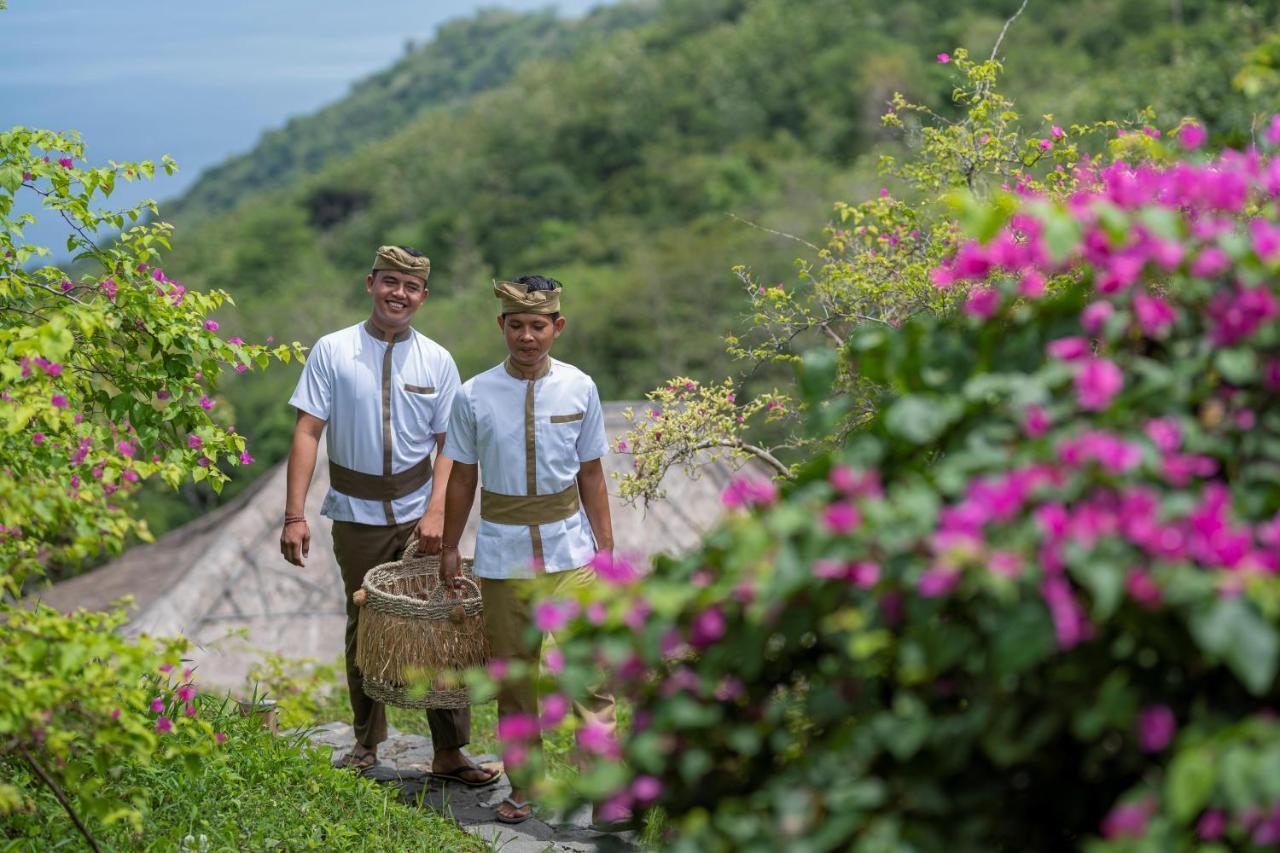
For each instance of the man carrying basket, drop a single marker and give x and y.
(384, 391)
(534, 428)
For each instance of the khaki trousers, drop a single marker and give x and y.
(360, 547)
(508, 621)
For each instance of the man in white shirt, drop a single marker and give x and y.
(534, 428)
(384, 391)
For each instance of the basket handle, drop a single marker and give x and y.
(442, 592)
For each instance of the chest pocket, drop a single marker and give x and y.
(562, 432)
(419, 403)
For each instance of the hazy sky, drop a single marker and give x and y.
(200, 79)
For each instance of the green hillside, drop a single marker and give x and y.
(612, 155)
(467, 55)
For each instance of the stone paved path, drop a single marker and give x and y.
(403, 761)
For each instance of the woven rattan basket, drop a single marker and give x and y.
(415, 636)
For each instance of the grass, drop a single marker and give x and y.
(260, 792)
(558, 744)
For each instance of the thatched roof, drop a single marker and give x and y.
(221, 582)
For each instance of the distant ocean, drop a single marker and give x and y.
(198, 81)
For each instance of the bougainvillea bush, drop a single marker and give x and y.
(1033, 604)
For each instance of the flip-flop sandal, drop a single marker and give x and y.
(352, 761)
(455, 775)
(527, 804)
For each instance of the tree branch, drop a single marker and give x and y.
(62, 798)
(999, 40)
(802, 242)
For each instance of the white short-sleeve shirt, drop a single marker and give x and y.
(350, 381)
(487, 427)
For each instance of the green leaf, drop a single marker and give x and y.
(1237, 366)
(1190, 783)
(920, 419)
(1232, 630)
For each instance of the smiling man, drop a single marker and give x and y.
(533, 429)
(384, 392)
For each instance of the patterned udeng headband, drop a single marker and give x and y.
(516, 300)
(395, 258)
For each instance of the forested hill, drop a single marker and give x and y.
(613, 151)
(467, 55)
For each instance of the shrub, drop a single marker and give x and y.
(1034, 599)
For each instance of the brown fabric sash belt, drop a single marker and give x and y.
(529, 509)
(375, 487)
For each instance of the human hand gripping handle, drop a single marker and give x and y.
(450, 568)
(295, 540)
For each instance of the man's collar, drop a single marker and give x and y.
(542, 371)
(377, 335)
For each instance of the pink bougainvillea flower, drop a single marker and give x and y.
(1156, 727)
(636, 617)
(245, 458)
(59, 401)
(982, 302)
(194, 441)
(1142, 588)
(841, 518)
(1155, 316)
(1211, 262)
(707, 628)
(1069, 621)
(598, 739)
(944, 58)
(164, 725)
(37, 439)
(220, 738)
(937, 582)
(1057, 132)
(864, 574)
(211, 325)
(1192, 136)
(746, 491)
(204, 461)
(1212, 825)
(157, 705)
(1129, 820)
(517, 727)
(115, 715)
(555, 707)
(1164, 433)
(1272, 134)
(613, 569)
(1068, 349)
(1097, 383)
(186, 693)
(1046, 144)
(241, 368)
(1006, 564)
(66, 162)
(554, 615)
(1035, 421)
(206, 403)
(646, 789)
(189, 710)
(1031, 284)
(553, 660)
(853, 483)
(497, 668)
(1095, 316)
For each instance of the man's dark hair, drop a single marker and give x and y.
(539, 282)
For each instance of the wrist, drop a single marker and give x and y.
(294, 519)
(444, 547)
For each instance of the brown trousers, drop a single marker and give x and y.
(360, 547)
(508, 617)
